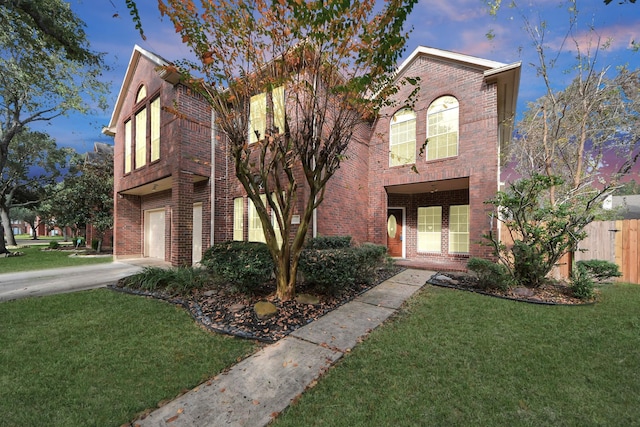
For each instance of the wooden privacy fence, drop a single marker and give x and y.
(614, 241)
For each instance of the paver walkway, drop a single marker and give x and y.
(266, 382)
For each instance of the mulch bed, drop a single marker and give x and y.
(222, 310)
(552, 293)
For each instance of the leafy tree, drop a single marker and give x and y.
(46, 69)
(330, 56)
(85, 198)
(541, 231)
(34, 162)
(30, 216)
(628, 188)
(569, 137)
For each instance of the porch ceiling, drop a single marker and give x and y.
(429, 186)
(158, 185)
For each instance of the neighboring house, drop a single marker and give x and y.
(626, 207)
(176, 192)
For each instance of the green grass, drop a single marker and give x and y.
(98, 358)
(455, 358)
(35, 258)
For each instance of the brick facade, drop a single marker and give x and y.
(361, 191)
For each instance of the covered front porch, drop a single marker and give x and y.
(428, 224)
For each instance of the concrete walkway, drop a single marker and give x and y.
(266, 382)
(68, 279)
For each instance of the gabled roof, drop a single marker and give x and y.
(506, 76)
(138, 52)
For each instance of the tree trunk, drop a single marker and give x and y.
(6, 224)
(3, 247)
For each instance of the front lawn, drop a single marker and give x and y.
(455, 358)
(35, 258)
(100, 357)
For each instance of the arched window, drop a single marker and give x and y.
(402, 138)
(142, 132)
(142, 94)
(442, 128)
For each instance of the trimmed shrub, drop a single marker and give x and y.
(244, 265)
(582, 284)
(54, 244)
(333, 270)
(329, 242)
(94, 244)
(600, 269)
(172, 281)
(490, 274)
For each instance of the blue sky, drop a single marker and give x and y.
(456, 25)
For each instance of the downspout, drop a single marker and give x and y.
(213, 175)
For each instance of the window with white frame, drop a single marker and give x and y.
(442, 128)
(430, 229)
(265, 107)
(459, 229)
(256, 232)
(238, 218)
(402, 138)
(142, 132)
(154, 125)
(127, 146)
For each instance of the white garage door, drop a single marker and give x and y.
(154, 234)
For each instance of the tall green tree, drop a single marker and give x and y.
(335, 61)
(579, 141)
(46, 68)
(34, 162)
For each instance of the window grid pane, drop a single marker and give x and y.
(277, 97)
(257, 117)
(256, 233)
(127, 146)
(442, 128)
(402, 138)
(430, 229)
(141, 138)
(155, 129)
(238, 218)
(459, 229)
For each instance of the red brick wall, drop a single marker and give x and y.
(185, 153)
(477, 157)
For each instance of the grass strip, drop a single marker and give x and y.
(35, 258)
(458, 358)
(98, 358)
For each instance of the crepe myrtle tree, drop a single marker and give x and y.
(324, 67)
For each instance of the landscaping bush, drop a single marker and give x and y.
(490, 274)
(172, 281)
(582, 284)
(244, 265)
(329, 242)
(600, 269)
(94, 244)
(333, 270)
(54, 244)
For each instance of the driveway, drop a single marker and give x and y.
(68, 279)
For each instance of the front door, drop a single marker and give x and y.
(394, 232)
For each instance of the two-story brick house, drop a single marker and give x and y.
(176, 192)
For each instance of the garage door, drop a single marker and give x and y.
(154, 234)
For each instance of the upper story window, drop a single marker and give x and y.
(402, 138)
(442, 128)
(266, 110)
(142, 132)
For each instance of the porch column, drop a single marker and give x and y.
(182, 219)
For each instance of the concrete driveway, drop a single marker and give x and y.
(68, 279)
